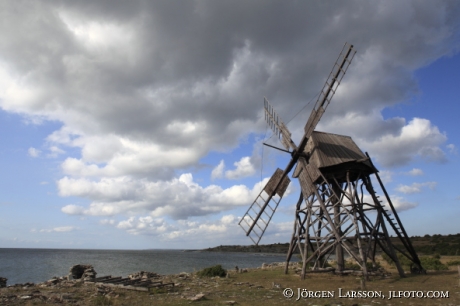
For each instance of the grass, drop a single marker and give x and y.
(256, 288)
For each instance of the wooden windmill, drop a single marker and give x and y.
(338, 208)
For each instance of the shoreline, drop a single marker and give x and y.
(255, 286)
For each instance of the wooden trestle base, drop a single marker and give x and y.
(348, 217)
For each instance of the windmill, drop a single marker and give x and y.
(338, 208)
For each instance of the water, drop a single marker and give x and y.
(39, 265)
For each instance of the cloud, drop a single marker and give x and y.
(34, 152)
(107, 222)
(112, 196)
(415, 172)
(149, 225)
(73, 209)
(55, 151)
(386, 176)
(218, 171)
(416, 187)
(211, 231)
(452, 149)
(418, 138)
(400, 204)
(144, 91)
(244, 168)
(59, 229)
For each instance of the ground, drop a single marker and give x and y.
(255, 287)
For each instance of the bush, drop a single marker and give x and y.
(428, 263)
(212, 271)
(453, 263)
(352, 265)
(403, 260)
(432, 263)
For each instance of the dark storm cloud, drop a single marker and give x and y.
(290, 49)
(148, 87)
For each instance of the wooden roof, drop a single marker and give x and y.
(334, 155)
(328, 149)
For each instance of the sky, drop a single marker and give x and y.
(139, 125)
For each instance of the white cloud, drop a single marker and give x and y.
(212, 231)
(386, 176)
(34, 152)
(73, 209)
(418, 138)
(392, 142)
(415, 172)
(119, 156)
(107, 221)
(400, 204)
(244, 168)
(452, 149)
(416, 187)
(113, 196)
(55, 151)
(59, 229)
(218, 171)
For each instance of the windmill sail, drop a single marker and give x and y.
(329, 88)
(259, 214)
(277, 126)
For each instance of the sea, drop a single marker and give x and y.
(38, 265)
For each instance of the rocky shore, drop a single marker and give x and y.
(264, 285)
(81, 287)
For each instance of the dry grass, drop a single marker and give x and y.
(256, 288)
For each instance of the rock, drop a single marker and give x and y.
(3, 282)
(103, 290)
(67, 296)
(230, 302)
(52, 281)
(143, 275)
(197, 297)
(82, 272)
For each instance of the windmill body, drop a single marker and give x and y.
(338, 211)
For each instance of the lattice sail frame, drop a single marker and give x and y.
(256, 219)
(346, 216)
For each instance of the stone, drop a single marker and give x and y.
(102, 290)
(197, 297)
(82, 272)
(143, 275)
(52, 281)
(3, 282)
